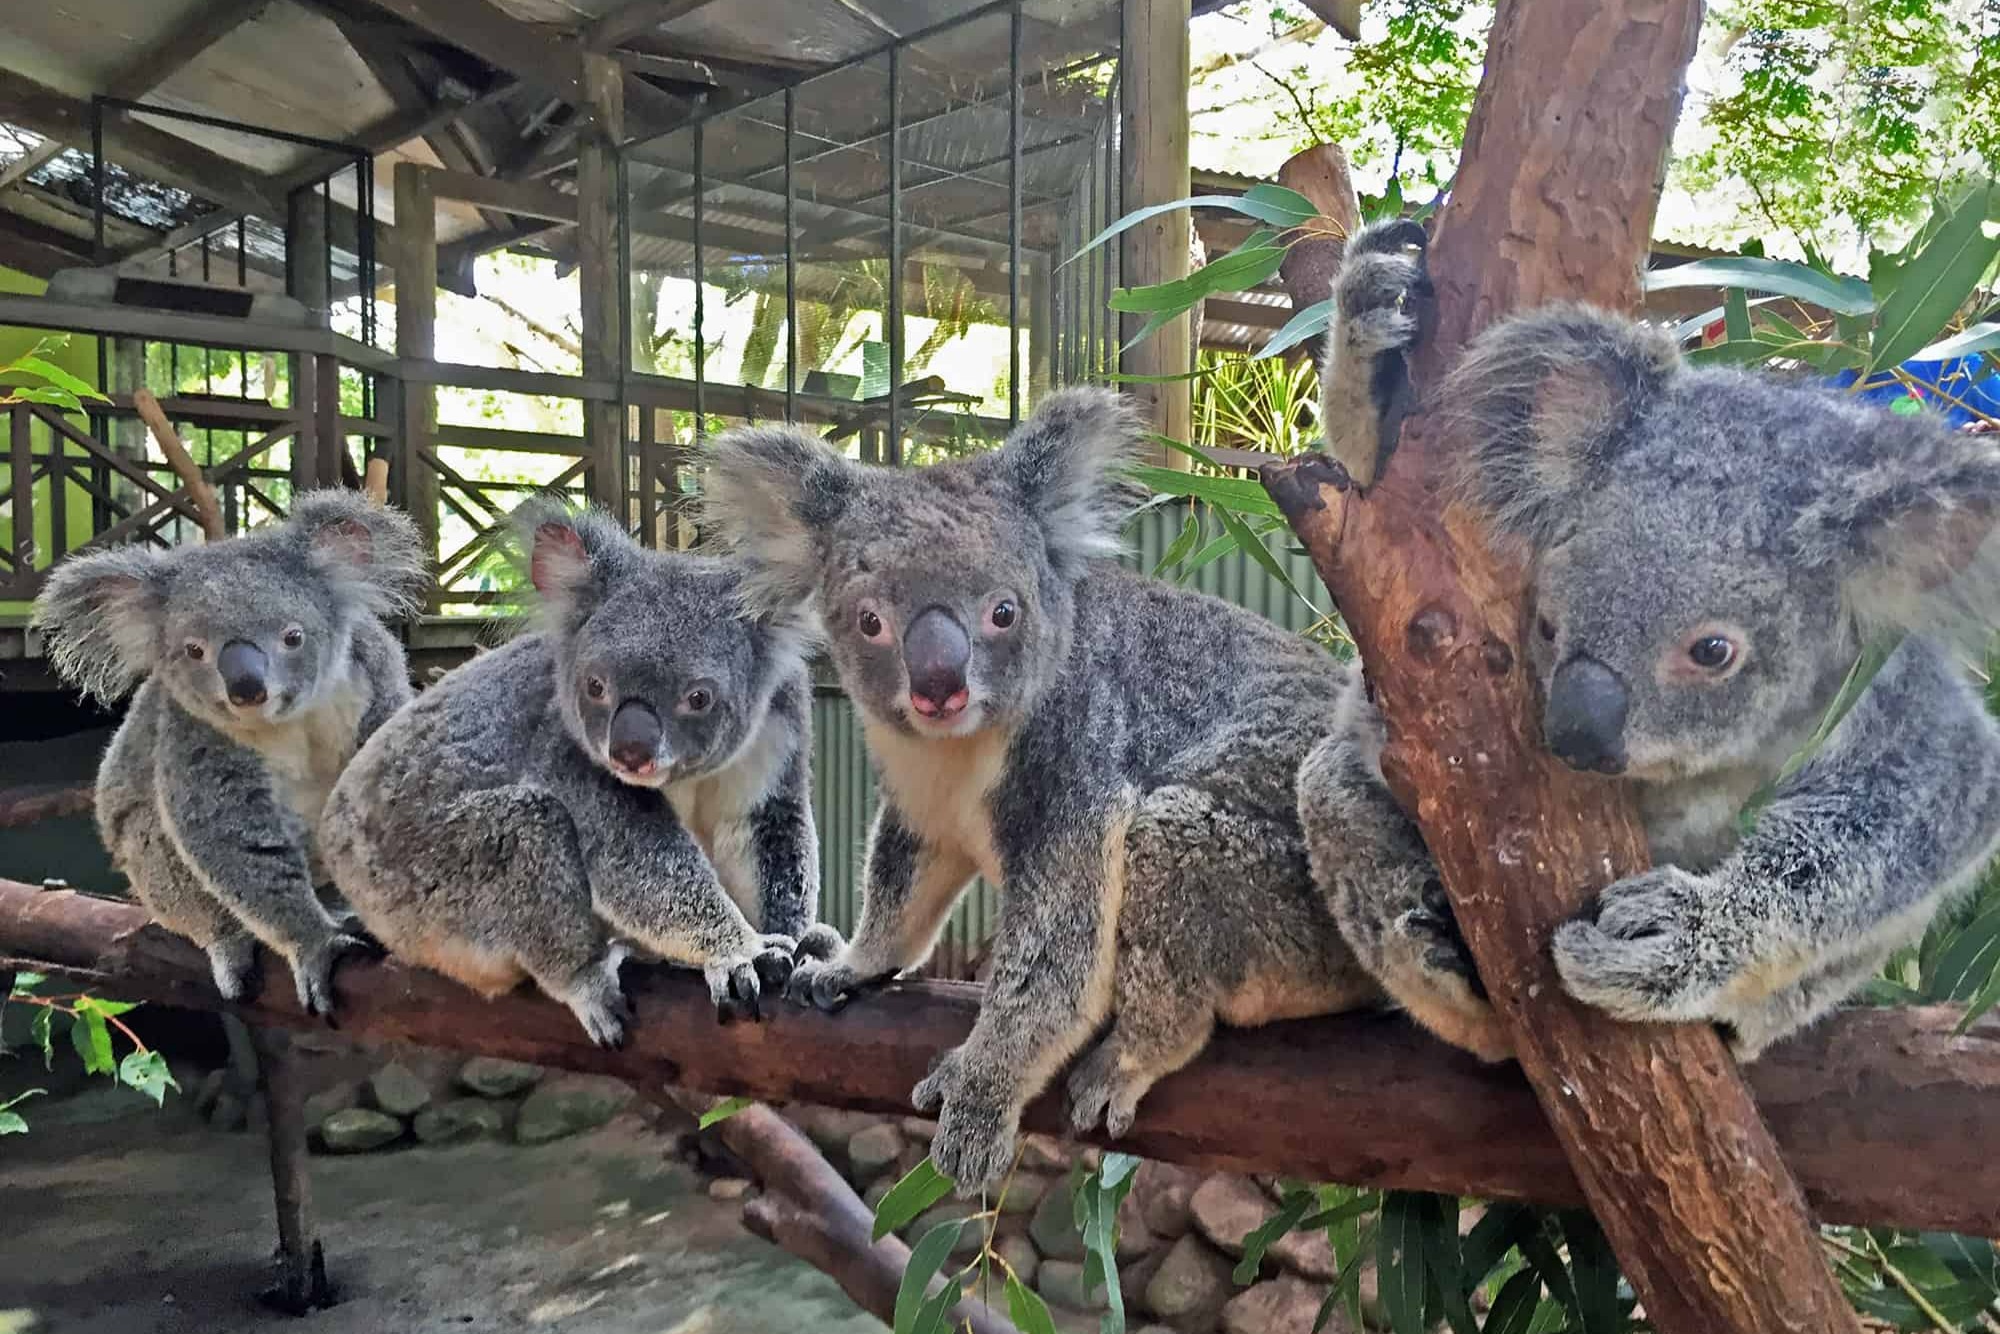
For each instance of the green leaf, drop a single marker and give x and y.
(1238, 495)
(1399, 1262)
(1594, 1270)
(1859, 677)
(1736, 314)
(1541, 1256)
(1499, 1231)
(1312, 320)
(1846, 296)
(27, 982)
(1116, 1174)
(12, 1123)
(39, 1032)
(722, 1111)
(1238, 271)
(1340, 1213)
(1968, 342)
(57, 376)
(1181, 546)
(921, 1187)
(91, 1037)
(108, 1008)
(1513, 1311)
(1208, 555)
(935, 1312)
(926, 1258)
(1254, 547)
(1026, 1308)
(1269, 1231)
(1446, 1287)
(1934, 283)
(146, 1072)
(55, 398)
(1982, 1001)
(1966, 964)
(1271, 204)
(21, 1097)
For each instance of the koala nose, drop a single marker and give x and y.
(936, 650)
(242, 665)
(1585, 721)
(635, 737)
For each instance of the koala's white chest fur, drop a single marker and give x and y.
(716, 808)
(941, 785)
(305, 754)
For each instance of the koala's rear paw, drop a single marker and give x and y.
(825, 986)
(599, 1002)
(1100, 1092)
(1378, 276)
(774, 962)
(1641, 953)
(735, 984)
(977, 1123)
(312, 970)
(233, 963)
(1433, 927)
(820, 942)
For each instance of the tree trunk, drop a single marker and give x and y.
(1554, 198)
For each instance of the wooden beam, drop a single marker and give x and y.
(1154, 120)
(598, 275)
(635, 18)
(1887, 1118)
(36, 248)
(1554, 198)
(518, 198)
(672, 68)
(416, 259)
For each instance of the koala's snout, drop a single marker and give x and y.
(243, 667)
(635, 737)
(1585, 721)
(936, 650)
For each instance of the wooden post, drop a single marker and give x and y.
(306, 281)
(598, 275)
(1153, 83)
(416, 340)
(302, 1284)
(1554, 198)
(207, 512)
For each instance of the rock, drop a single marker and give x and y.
(1163, 1191)
(1134, 1277)
(970, 1239)
(229, 1112)
(1061, 1282)
(459, 1120)
(569, 1106)
(1135, 1239)
(873, 1151)
(828, 1127)
(398, 1090)
(1155, 1329)
(1191, 1281)
(208, 1090)
(1025, 1192)
(919, 1129)
(1308, 1254)
(1021, 1256)
(1284, 1305)
(358, 1130)
(872, 1197)
(327, 1101)
(728, 1190)
(490, 1077)
(1227, 1208)
(1053, 1227)
(1044, 1153)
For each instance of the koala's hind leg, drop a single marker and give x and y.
(1370, 861)
(178, 901)
(1755, 1027)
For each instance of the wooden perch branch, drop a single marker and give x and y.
(207, 512)
(1886, 1117)
(1554, 198)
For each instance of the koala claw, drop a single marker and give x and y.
(1638, 953)
(734, 987)
(1098, 1094)
(232, 961)
(976, 1127)
(774, 961)
(820, 942)
(824, 986)
(1434, 927)
(312, 971)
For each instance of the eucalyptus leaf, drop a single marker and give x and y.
(927, 1257)
(1314, 319)
(1270, 204)
(1513, 1310)
(1399, 1262)
(1846, 296)
(1931, 286)
(1968, 342)
(921, 1187)
(1026, 1308)
(722, 1111)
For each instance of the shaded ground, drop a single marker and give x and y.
(119, 1219)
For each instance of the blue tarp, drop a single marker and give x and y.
(1949, 388)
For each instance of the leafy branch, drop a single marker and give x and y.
(91, 1021)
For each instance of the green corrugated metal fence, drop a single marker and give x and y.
(844, 784)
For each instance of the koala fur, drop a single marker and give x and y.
(1712, 550)
(637, 767)
(1116, 753)
(262, 664)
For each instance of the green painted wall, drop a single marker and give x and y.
(78, 356)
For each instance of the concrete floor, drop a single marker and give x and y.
(116, 1218)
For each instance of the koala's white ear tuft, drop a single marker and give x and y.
(104, 615)
(1910, 527)
(769, 492)
(570, 550)
(376, 549)
(1067, 464)
(1540, 400)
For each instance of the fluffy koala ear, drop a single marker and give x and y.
(1540, 401)
(376, 549)
(572, 553)
(1067, 462)
(770, 491)
(104, 615)
(1908, 522)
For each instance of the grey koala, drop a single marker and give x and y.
(265, 664)
(1116, 753)
(637, 768)
(1712, 551)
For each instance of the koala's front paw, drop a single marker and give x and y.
(1382, 269)
(776, 956)
(977, 1121)
(827, 985)
(312, 969)
(1645, 953)
(820, 942)
(1433, 928)
(232, 961)
(736, 983)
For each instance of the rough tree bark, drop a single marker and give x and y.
(1887, 1117)
(1554, 198)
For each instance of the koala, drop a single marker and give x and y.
(262, 663)
(637, 768)
(1712, 552)
(1116, 753)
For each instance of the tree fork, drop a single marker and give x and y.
(1554, 199)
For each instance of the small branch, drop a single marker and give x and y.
(206, 509)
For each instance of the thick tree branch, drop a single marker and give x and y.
(1886, 1117)
(1554, 198)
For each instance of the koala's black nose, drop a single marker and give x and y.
(1585, 721)
(635, 737)
(242, 665)
(936, 650)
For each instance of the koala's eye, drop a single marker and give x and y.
(1712, 653)
(195, 651)
(1003, 615)
(869, 621)
(294, 636)
(699, 699)
(594, 687)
